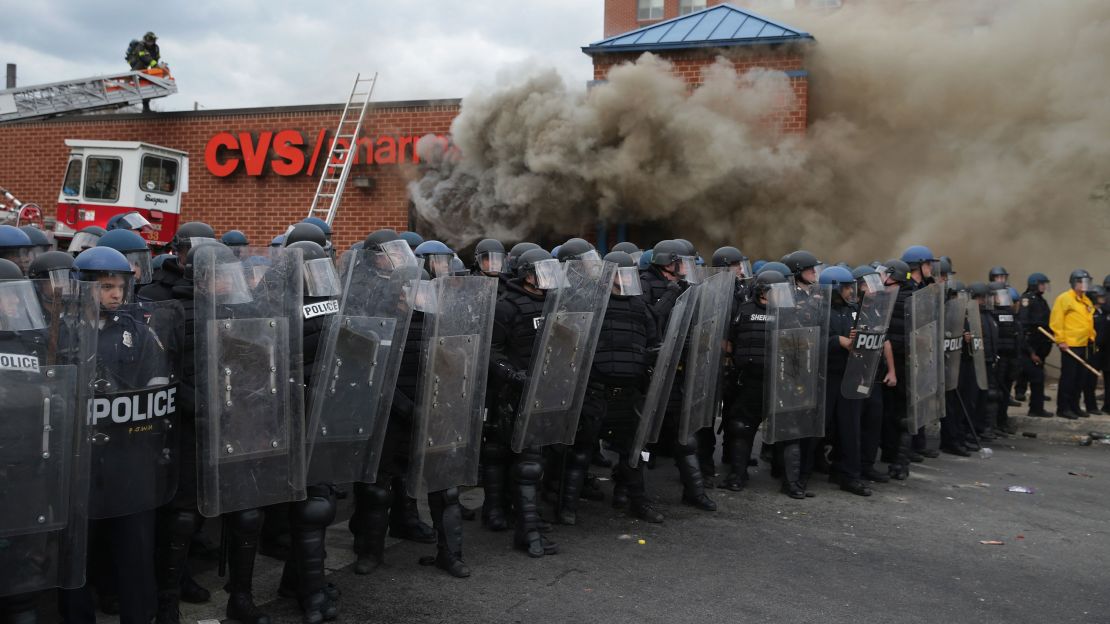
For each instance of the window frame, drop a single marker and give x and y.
(80, 176)
(651, 6)
(686, 7)
(119, 181)
(142, 168)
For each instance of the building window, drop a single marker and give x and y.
(649, 9)
(71, 186)
(102, 178)
(159, 175)
(689, 6)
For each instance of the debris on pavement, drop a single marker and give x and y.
(1020, 489)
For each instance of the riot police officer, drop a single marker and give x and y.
(235, 239)
(489, 258)
(662, 283)
(896, 434)
(135, 249)
(620, 367)
(40, 242)
(871, 412)
(435, 256)
(516, 321)
(173, 269)
(985, 406)
(1010, 346)
(15, 246)
(1034, 313)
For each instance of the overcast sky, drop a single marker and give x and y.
(238, 53)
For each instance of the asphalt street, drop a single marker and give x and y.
(912, 552)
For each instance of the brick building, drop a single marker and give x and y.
(256, 169)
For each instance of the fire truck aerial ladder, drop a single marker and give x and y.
(85, 94)
(344, 144)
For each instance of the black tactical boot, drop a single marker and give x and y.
(693, 487)
(175, 533)
(304, 572)
(570, 486)
(493, 486)
(739, 449)
(527, 472)
(369, 524)
(447, 519)
(792, 484)
(244, 528)
(404, 517)
(638, 504)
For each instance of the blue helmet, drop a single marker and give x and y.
(412, 238)
(123, 241)
(112, 222)
(156, 263)
(37, 236)
(11, 236)
(774, 266)
(645, 259)
(234, 238)
(101, 260)
(914, 255)
(432, 248)
(757, 265)
(1035, 279)
(837, 276)
(278, 241)
(318, 222)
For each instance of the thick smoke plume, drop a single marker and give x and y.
(977, 127)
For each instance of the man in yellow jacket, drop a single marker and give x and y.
(1073, 324)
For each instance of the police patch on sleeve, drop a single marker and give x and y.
(1025, 302)
(320, 308)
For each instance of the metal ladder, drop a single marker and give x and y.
(330, 189)
(84, 94)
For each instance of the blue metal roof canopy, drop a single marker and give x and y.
(718, 26)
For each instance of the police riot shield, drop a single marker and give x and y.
(356, 370)
(955, 313)
(663, 374)
(133, 415)
(978, 355)
(924, 356)
(705, 352)
(47, 351)
(872, 322)
(249, 394)
(451, 392)
(562, 355)
(794, 387)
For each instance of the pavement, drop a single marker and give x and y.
(912, 552)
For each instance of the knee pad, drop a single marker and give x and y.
(685, 447)
(246, 521)
(315, 512)
(183, 522)
(376, 494)
(734, 427)
(528, 470)
(494, 453)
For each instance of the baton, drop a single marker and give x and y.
(1094, 371)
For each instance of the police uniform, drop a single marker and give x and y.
(842, 421)
(1033, 314)
(1011, 346)
(895, 433)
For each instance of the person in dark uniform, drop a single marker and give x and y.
(129, 357)
(303, 574)
(842, 415)
(1034, 313)
(517, 318)
(985, 408)
(922, 264)
(896, 436)
(1097, 352)
(662, 283)
(1010, 346)
(871, 412)
(1103, 339)
(620, 371)
(954, 428)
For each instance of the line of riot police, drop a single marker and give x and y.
(257, 385)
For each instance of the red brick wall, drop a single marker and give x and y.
(620, 15)
(33, 158)
(688, 64)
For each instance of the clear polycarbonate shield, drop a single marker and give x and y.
(978, 355)
(550, 274)
(662, 377)
(134, 414)
(249, 389)
(321, 278)
(924, 356)
(141, 266)
(562, 356)
(451, 392)
(872, 323)
(797, 346)
(1002, 299)
(689, 270)
(398, 253)
(45, 375)
(21, 309)
(705, 352)
(357, 363)
(955, 313)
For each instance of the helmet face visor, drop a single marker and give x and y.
(230, 284)
(19, 307)
(627, 281)
(491, 262)
(82, 241)
(1084, 284)
(134, 221)
(1002, 299)
(688, 269)
(140, 262)
(780, 296)
(549, 274)
(321, 278)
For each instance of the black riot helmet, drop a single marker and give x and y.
(955, 287)
(626, 279)
(320, 276)
(767, 278)
(667, 252)
(574, 249)
(727, 256)
(377, 237)
(946, 266)
(514, 253)
(44, 265)
(305, 232)
(545, 271)
(489, 256)
(388, 249)
(688, 248)
(979, 290)
(998, 271)
(10, 270)
(801, 260)
(898, 271)
(186, 232)
(776, 267)
(627, 247)
(1080, 276)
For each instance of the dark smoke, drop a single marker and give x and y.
(979, 128)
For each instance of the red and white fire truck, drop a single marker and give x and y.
(107, 178)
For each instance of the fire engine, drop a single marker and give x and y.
(107, 178)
